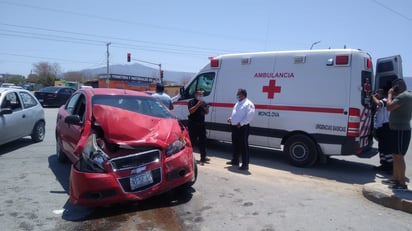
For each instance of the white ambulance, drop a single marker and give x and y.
(310, 103)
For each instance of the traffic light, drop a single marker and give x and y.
(161, 74)
(129, 57)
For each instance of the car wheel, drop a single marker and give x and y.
(61, 157)
(39, 132)
(301, 150)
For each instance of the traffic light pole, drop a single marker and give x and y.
(157, 64)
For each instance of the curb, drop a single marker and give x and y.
(395, 199)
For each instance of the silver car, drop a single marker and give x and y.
(21, 115)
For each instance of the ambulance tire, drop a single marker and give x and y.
(301, 150)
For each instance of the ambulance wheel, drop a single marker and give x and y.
(301, 150)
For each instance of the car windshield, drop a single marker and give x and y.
(140, 104)
(49, 89)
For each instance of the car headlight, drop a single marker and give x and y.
(93, 156)
(175, 147)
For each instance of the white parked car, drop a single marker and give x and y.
(7, 85)
(21, 115)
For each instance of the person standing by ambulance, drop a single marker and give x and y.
(400, 106)
(162, 96)
(381, 125)
(242, 115)
(198, 108)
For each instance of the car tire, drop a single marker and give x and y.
(301, 150)
(39, 132)
(61, 157)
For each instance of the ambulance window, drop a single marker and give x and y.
(366, 89)
(385, 66)
(203, 81)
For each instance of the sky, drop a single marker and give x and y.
(181, 35)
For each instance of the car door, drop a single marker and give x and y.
(69, 134)
(13, 126)
(387, 70)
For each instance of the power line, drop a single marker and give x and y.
(129, 44)
(48, 58)
(113, 38)
(393, 11)
(54, 10)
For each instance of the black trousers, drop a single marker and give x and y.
(197, 133)
(240, 143)
(385, 144)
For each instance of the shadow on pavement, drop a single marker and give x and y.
(61, 171)
(15, 145)
(127, 209)
(335, 169)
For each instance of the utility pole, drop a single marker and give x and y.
(107, 67)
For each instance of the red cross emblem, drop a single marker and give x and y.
(271, 89)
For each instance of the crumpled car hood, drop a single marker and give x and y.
(126, 127)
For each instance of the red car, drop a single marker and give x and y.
(124, 145)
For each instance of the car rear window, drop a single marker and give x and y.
(143, 105)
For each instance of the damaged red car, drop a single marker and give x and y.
(124, 145)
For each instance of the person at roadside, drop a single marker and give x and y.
(163, 96)
(242, 115)
(382, 131)
(400, 106)
(198, 108)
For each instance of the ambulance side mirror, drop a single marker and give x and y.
(182, 93)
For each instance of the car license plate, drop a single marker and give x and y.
(137, 181)
(41, 100)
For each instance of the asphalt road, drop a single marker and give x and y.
(273, 195)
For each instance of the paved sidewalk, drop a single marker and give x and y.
(382, 194)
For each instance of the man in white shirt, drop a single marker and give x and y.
(382, 131)
(242, 115)
(162, 96)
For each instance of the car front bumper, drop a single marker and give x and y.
(135, 184)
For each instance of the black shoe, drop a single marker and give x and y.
(390, 182)
(244, 168)
(398, 186)
(232, 163)
(383, 167)
(207, 159)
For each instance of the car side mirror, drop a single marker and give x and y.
(73, 119)
(5, 111)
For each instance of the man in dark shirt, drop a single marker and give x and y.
(198, 108)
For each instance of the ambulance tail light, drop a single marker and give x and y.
(369, 63)
(353, 122)
(342, 60)
(214, 62)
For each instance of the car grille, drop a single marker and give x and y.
(135, 160)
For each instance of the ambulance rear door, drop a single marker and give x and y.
(387, 70)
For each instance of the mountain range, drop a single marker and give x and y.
(136, 69)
